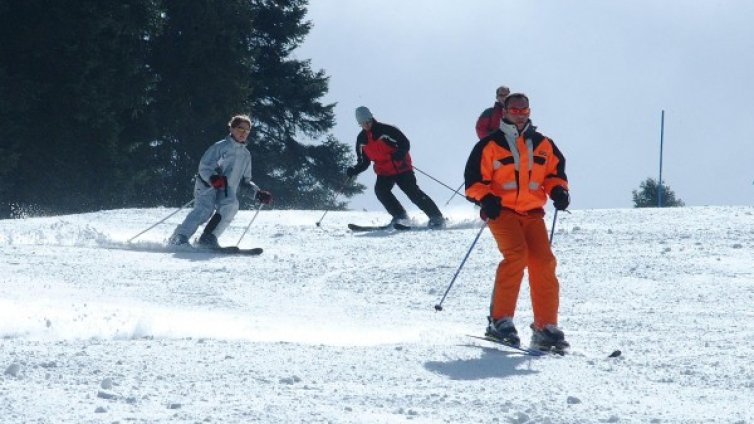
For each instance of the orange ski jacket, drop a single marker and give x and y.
(519, 168)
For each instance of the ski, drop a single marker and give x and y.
(536, 352)
(358, 228)
(527, 351)
(234, 250)
(361, 228)
(225, 250)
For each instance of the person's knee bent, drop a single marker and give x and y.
(228, 210)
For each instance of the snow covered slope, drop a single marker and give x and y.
(333, 326)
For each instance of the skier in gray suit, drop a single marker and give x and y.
(222, 169)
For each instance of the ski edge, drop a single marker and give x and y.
(357, 227)
(235, 250)
(530, 352)
(361, 228)
(225, 250)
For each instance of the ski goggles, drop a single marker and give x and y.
(518, 110)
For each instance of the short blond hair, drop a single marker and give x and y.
(234, 121)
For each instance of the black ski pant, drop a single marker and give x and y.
(406, 182)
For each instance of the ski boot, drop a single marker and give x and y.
(401, 221)
(549, 339)
(208, 241)
(177, 240)
(436, 222)
(503, 330)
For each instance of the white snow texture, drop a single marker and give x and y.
(333, 326)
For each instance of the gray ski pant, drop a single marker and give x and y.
(209, 200)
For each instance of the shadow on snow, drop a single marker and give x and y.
(493, 363)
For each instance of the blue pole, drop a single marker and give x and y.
(438, 307)
(659, 183)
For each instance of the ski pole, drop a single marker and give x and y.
(251, 222)
(166, 218)
(454, 193)
(436, 180)
(348, 180)
(162, 220)
(319, 223)
(438, 307)
(552, 230)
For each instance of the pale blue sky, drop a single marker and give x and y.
(598, 74)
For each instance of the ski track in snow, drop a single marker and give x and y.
(333, 326)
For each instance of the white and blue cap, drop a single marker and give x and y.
(363, 115)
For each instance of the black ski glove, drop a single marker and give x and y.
(398, 155)
(264, 197)
(560, 198)
(351, 172)
(491, 207)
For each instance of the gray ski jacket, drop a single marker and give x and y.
(227, 158)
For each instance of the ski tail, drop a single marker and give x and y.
(357, 228)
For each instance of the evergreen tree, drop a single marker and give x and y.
(647, 195)
(202, 60)
(108, 104)
(218, 59)
(72, 77)
(286, 102)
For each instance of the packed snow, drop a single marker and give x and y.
(333, 326)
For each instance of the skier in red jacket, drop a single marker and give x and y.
(388, 148)
(489, 120)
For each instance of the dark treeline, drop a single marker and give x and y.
(110, 104)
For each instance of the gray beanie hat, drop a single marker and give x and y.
(363, 115)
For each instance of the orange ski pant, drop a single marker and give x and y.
(523, 241)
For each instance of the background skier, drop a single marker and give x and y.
(222, 168)
(490, 118)
(388, 148)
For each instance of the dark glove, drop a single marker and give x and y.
(351, 171)
(264, 197)
(491, 207)
(398, 155)
(560, 198)
(218, 181)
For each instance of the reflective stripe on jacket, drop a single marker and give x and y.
(520, 169)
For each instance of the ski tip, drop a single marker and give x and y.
(358, 228)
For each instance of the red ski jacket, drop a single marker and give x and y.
(378, 146)
(489, 120)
